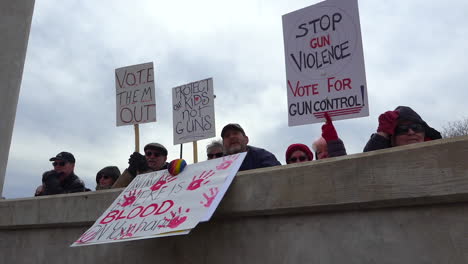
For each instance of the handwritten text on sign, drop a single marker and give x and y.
(324, 63)
(193, 111)
(135, 94)
(157, 203)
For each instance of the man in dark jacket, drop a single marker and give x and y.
(235, 141)
(62, 178)
(400, 127)
(154, 160)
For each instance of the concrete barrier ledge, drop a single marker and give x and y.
(428, 173)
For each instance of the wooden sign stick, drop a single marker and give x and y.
(195, 152)
(137, 137)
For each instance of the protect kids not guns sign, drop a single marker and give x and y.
(324, 63)
(135, 94)
(158, 204)
(193, 111)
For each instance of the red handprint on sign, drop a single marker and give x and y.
(227, 161)
(210, 197)
(86, 237)
(128, 233)
(202, 179)
(166, 178)
(176, 219)
(130, 199)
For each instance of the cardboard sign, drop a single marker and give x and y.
(135, 94)
(158, 204)
(324, 63)
(193, 111)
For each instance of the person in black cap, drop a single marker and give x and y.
(62, 178)
(154, 160)
(235, 141)
(106, 177)
(400, 127)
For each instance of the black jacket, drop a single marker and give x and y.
(52, 184)
(258, 158)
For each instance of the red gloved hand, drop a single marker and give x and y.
(328, 130)
(388, 122)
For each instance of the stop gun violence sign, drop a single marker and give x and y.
(324, 63)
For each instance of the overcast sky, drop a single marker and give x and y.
(414, 54)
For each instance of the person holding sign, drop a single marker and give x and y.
(328, 145)
(235, 141)
(154, 160)
(400, 127)
(62, 178)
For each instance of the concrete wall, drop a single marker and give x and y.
(402, 205)
(15, 23)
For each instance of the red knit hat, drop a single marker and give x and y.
(301, 147)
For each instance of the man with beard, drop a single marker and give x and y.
(154, 160)
(235, 141)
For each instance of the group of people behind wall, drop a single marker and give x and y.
(400, 127)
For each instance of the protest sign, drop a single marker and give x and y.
(158, 204)
(135, 94)
(324, 63)
(193, 111)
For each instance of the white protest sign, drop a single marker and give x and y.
(158, 204)
(135, 94)
(193, 111)
(324, 63)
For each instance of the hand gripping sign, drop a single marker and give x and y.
(324, 63)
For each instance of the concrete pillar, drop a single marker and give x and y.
(15, 24)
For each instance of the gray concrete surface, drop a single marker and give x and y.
(15, 23)
(402, 205)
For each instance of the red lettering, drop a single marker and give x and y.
(170, 202)
(155, 206)
(129, 214)
(339, 85)
(111, 216)
(303, 90)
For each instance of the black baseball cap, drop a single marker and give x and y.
(65, 156)
(156, 146)
(231, 126)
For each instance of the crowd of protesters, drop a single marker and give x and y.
(400, 127)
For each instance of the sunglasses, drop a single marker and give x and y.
(153, 153)
(60, 163)
(105, 177)
(301, 158)
(403, 129)
(217, 155)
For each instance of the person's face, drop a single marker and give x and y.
(297, 157)
(234, 142)
(106, 181)
(155, 158)
(214, 153)
(64, 167)
(409, 133)
(322, 151)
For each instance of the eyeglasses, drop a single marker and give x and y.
(403, 129)
(155, 154)
(217, 155)
(294, 159)
(60, 163)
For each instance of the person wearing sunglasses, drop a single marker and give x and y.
(297, 153)
(214, 150)
(106, 177)
(400, 127)
(328, 145)
(62, 179)
(154, 159)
